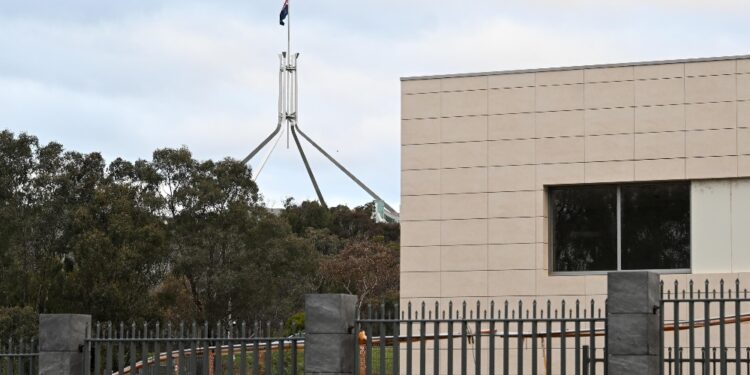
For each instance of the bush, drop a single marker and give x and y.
(18, 323)
(295, 324)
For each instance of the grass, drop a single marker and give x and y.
(276, 357)
(375, 363)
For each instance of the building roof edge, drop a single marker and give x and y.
(562, 68)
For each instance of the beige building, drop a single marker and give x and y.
(532, 184)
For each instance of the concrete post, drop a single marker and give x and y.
(633, 323)
(329, 341)
(61, 340)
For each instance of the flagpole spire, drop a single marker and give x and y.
(288, 122)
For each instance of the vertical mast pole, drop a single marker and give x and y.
(285, 67)
(296, 92)
(287, 64)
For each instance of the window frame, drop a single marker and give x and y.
(618, 186)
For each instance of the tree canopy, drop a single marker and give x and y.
(171, 238)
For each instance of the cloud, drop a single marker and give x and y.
(128, 77)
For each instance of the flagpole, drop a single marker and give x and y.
(288, 56)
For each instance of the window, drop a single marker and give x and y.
(620, 227)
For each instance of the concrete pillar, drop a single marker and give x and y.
(633, 323)
(61, 343)
(329, 341)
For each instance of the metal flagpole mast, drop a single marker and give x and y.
(289, 115)
(288, 58)
(290, 102)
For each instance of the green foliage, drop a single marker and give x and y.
(295, 324)
(17, 323)
(367, 268)
(308, 214)
(171, 238)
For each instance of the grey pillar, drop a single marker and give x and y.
(61, 339)
(329, 342)
(633, 323)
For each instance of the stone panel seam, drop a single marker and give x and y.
(537, 164)
(731, 184)
(567, 136)
(536, 180)
(632, 128)
(573, 109)
(684, 119)
(487, 206)
(740, 126)
(585, 91)
(736, 116)
(480, 192)
(731, 224)
(440, 209)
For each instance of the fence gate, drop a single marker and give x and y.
(495, 339)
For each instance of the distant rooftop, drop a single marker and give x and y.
(599, 66)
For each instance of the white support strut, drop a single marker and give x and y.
(288, 117)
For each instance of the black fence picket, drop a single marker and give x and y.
(712, 338)
(703, 331)
(476, 340)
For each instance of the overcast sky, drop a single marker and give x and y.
(127, 77)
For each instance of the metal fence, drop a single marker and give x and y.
(19, 358)
(505, 339)
(702, 329)
(193, 349)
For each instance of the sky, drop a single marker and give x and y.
(127, 77)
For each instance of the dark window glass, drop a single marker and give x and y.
(584, 220)
(655, 226)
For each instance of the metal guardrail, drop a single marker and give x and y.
(483, 342)
(19, 358)
(191, 350)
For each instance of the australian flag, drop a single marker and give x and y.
(284, 12)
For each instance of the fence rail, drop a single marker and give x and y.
(192, 350)
(510, 339)
(19, 358)
(673, 330)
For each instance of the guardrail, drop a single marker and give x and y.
(191, 350)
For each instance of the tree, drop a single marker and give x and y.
(308, 214)
(235, 258)
(369, 269)
(117, 255)
(16, 171)
(18, 323)
(80, 239)
(171, 238)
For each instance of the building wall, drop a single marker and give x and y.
(478, 152)
(720, 217)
